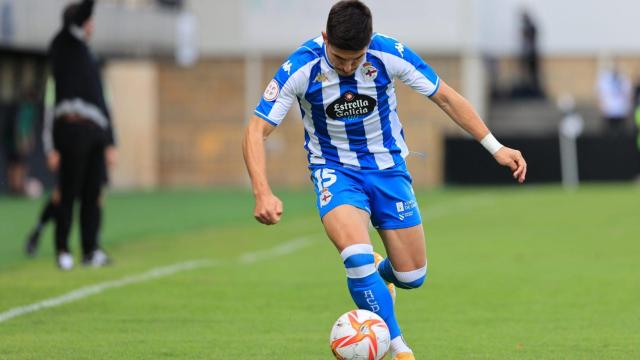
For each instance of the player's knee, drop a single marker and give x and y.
(411, 279)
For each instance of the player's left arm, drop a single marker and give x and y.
(462, 112)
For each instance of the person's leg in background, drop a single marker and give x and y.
(91, 207)
(47, 214)
(73, 149)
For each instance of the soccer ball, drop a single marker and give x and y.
(359, 334)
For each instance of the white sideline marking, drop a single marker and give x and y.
(280, 250)
(155, 273)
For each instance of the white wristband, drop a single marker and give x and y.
(491, 143)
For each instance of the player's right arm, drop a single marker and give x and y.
(289, 81)
(268, 209)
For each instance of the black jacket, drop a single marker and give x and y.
(76, 72)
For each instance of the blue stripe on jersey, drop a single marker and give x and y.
(306, 135)
(354, 128)
(392, 46)
(359, 260)
(314, 97)
(298, 59)
(382, 82)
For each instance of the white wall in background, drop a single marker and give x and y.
(119, 28)
(566, 26)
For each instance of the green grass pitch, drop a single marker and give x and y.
(514, 273)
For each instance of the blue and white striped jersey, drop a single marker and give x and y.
(350, 121)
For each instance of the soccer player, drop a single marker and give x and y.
(343, 82)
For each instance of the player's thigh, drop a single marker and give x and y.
(347, 225)
(342, 205)
(406, 247)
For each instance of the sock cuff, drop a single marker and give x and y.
(356, 249)
(410, 276)
(358, 260)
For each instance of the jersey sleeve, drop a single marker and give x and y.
(403, 63)
(289, 83)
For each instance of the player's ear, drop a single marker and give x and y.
(324, 36)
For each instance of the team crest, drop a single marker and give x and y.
(321, 78)
(369, 71)
(272, 91)
(325, 197)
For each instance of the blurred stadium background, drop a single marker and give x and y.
(560, 268)
(184, 75)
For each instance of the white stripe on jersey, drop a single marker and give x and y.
(373, 125)
(396, 128)
(396, 125)
(336, 128)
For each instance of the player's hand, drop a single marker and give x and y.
(111, 156)
(53, 160)
(514, 160)
(268, 209)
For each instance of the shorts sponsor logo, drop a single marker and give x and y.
(351, 106)
(272, 91)
(406, 208)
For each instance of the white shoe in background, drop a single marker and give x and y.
(65, 261)
(98, 259)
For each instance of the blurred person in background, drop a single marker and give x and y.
(344, 83)
(49, 210)
(9, 145)
(636, 91)
(636, 115)
(82, 135)
(614, 97)
(529, 57)
(19, 140)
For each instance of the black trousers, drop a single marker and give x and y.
(81, 145)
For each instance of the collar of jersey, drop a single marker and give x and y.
(324, 55)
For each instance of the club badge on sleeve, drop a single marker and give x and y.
(272, 91)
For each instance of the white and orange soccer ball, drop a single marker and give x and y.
(359, 335)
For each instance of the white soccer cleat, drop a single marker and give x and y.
(65, 261)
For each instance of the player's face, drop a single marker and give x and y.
(345, 62)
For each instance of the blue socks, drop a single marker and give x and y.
(367, 287)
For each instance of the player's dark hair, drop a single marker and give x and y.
(350, 25)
